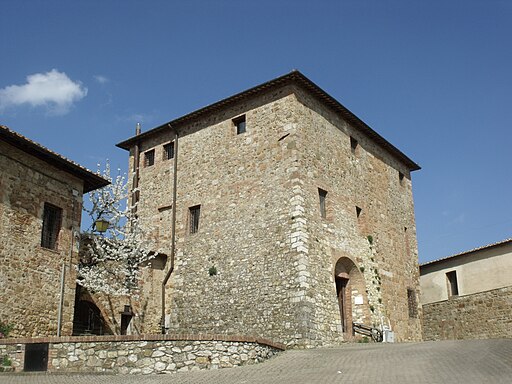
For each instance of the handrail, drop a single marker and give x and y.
(374, 333)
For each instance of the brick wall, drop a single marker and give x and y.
(482, 315)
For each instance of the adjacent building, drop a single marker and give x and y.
(468, 295)
(40, 211)
(291, 218)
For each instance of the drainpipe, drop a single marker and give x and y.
(61, 299)
(135, 183)
(63, 267)
(173, 231)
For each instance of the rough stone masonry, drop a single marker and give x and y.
(294, 219)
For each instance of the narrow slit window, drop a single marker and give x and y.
(169, 151)
(240, 124)
(401, 178)
(194, 213)
(412, 303)
(322, 195)
(453, 287)
(353, 144)
(358, 211)
(52, 217)
(149, 158)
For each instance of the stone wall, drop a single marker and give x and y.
(242, 183)
(473, 271)
(380, 238)
(261, 229)
(145, 354)
(482, 315)
(30, 274)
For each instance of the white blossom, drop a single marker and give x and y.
(111, 262)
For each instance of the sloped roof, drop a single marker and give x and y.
(488, 246)
(91, 180)
(294, 77)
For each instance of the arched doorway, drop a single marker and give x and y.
(87, 317)
(350, 291)
(88, 320)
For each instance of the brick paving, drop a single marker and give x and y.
(446, 362)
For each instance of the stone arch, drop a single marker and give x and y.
(88, 318)
(350, 293)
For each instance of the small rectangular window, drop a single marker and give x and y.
(52, 217)
(240, 124)
(453, 287)
(149, 158)
(353, 144)
(322, 195)
(169, 151)
(194, 213)
(412, 303)
(401, 178)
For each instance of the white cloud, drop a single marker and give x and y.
(101, 79)
(53, 90)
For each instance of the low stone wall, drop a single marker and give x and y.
(143, 354)
(484, 315)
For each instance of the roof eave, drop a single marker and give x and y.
(91, 180)
(465, 253)
(299, 78)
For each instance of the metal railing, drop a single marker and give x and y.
(374, 333)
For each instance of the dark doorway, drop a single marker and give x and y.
(126, 318)
(341, 292)
(88, 320)
(36, 357)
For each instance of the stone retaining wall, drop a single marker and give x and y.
(143, 354)
(483, 315)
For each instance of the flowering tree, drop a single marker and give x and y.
(111, 262)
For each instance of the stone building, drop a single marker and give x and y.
(468, 295)
(40, 211)
(292, 220)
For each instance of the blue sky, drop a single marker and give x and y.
(433, 77)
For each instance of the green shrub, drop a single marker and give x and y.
(5, 329)
(6, 362)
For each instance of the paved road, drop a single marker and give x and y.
(445, 362)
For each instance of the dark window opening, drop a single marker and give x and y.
(353, 144)
(358, 211)
(240, 124)
(149, 158)
(159, 261)
(52, 217)
(323, 197)
(194, 213)
(401, 177)
(169, 151)
(453, 288)
(412, 303)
